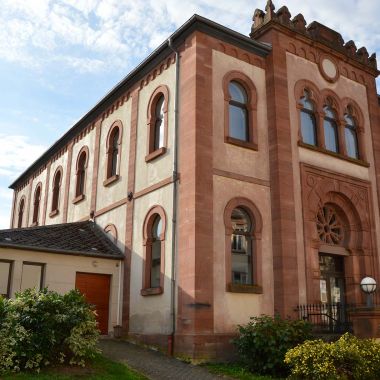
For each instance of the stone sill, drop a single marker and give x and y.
(157, 153)
(110, 180)
(242, 144)
(333, 154)
(152, 291)
(79, 198)
(240, 288)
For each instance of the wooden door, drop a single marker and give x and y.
(96, 289)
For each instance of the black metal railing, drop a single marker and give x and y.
(326, 318)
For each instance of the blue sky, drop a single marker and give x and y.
(59, 57)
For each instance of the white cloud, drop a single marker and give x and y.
(111, 32)
(16, 154)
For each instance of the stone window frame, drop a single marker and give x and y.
(11, 264)
(250, 88)
(155, 211)
(109, 177)
(112, 230)
(339, 106)
(256, 245)
(21, 211)
(153, 153)
(36, 204)
(359, 123)
(56, 193)
(79, 196)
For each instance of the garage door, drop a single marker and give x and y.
(96, 289)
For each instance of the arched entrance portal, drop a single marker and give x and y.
(331, 229)
(339, 237)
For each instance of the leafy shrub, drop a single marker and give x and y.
(347, 358)
(38, 328)
(263, 342)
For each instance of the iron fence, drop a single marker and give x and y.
(326, 318)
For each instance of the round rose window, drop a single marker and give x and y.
(329, 227)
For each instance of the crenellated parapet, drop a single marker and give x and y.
(315, 30)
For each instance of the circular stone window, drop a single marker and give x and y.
(329, 226)
(328, 69)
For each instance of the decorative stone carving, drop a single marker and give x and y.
(299, 23)
(350, 48)
(363, 55)
(283, 15)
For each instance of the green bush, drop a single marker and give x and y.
(264, 341)
(39, 328)
(347, 358)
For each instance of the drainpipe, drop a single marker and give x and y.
(175, 200)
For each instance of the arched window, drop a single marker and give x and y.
(240, 116)
(350, 135)
(243, 225)
(36, 204)
(241, 247)
(21, 208)
(330, 128)
(56, 192)
(154, 244)
(157, 123)
(308, 122)
(111, 231)
(155, 262)
(113, 152)
(81, 174)
(238, 112)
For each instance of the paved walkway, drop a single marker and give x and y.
(153, 364)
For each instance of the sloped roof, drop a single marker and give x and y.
(81, 239)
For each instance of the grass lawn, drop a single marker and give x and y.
(236, 371)
(101, 368)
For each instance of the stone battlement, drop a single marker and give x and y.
(315, 30)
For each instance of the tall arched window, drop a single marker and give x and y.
(238, 112)
(81, 174)
(241, 247)
(21, 208)
(308, 122)
(36, 204)
(157, 123)
(56, 192)
(330, 128)
(243, 226)
(350, 135)
(154, 251)
(113, 152)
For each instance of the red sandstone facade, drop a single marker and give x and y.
(289, 189)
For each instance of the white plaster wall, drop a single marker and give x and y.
(231, 309)
(300, 68)
(160, 168)
(117, 190)
(61, 161)
(150, 314)
(60, 271)
(81, 210)
(40, 178)
(227, 156)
